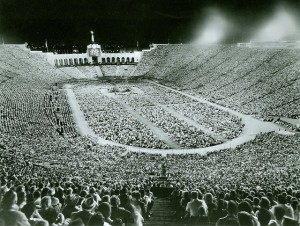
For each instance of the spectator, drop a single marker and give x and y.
(88, 205)
(119, 212)
(105, 209)
(21, 199)
(30, 210)
(218, 212)
(245, 219)
(71, 202)
(279, 213)
(256, 206)
(192, 208)
(97, 220)
(47, 212)
(10, 215)
(138, 204)
(287, 221)
(289, 212)
(231, 213)
(264, 217)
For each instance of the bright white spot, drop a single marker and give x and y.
(213, 30)
(283, 25)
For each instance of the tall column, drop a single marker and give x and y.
(92, 36)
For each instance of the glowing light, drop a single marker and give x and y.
(282, 25)
(214, 29)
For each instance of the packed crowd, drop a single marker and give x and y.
(73, 72)
(240, 206)
(22, 110)
(109, 120)
(30, 111)
(80, 163)
(184, 134)
(58, 111)
(150, 59)
(55, 202)
(264, 82)
(117, 70)
(108, 117)
(292, 127)
(90, 71)
(165, 96)
(45, 176)
(122, 127)
(22, 96)
(72, 156)
(220, 122)
(253, 163)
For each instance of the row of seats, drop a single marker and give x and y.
(253, 80)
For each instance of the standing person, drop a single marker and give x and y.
(192, 208)
(149, 197)
(138, 207)
(135, 215)
(138, 204)
(183, 202)
(211, 206)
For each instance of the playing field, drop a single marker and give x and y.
(149, 116)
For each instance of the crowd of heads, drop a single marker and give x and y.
(38, 202)
(105, 113)
(108, 119)
(240, 206)
(257, 81)
(227, 175)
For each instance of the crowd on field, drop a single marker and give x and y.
(165, 109)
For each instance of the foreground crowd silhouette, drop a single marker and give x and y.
(254, 207)
(67, 203)
(251, 173)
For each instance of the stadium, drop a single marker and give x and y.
(174, 134)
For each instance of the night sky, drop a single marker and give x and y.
(123, 22)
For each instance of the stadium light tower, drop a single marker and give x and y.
(92, 36)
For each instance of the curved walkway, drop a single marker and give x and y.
(292, 121)
(252, 127)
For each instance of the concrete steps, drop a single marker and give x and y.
(163, 214)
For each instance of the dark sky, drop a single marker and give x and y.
(121, 21)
